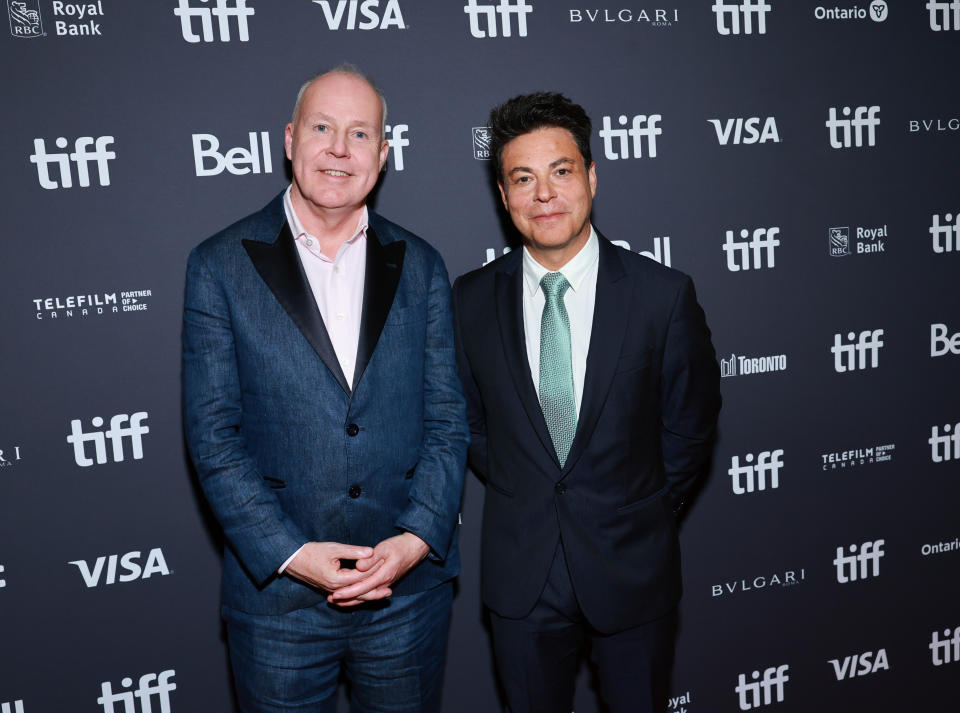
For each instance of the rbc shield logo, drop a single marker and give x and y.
(481, 143)
(839, 242)
(25, 20)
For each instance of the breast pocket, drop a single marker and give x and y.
(633, 361)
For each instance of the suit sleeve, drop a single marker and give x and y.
(437, 485)
(476, 419)
(255, 525)
(690, 396)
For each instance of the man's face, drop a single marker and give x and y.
(335, 144)
(548, 191)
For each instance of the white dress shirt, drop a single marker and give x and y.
(581, 273)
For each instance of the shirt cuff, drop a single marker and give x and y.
(290, 559)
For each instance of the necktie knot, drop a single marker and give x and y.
(554, 285)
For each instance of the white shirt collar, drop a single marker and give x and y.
(575, 270)
(300, 234)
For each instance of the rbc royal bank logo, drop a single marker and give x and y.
(839, 241)
(734, 18)
(81, 156)
(846, 133)
(152, 688)
(116, 434)
(346, 13)
(25, 19)
(505, 9)
(946, 235)
(481, 143)
(629, 142)
(223, 10)
(944, 15)
(762, 691)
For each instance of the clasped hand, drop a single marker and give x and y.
(376, 570)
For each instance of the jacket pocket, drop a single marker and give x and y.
(642, 502)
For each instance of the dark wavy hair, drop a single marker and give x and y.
(529, 112)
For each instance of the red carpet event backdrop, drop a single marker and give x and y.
(798, 160)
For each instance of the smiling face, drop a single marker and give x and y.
(548, 192)
(335, 146)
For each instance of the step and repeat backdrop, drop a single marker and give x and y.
(798, 160)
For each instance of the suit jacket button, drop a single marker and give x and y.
(559, 488)
(353, 429)
(354, 491)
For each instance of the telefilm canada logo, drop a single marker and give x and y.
(865, 240)
(361, 14)
(747, 366)
(856, 457)
(152, 690)
(876, 11)
(210, 30)
(651, 17)
(91, 305)
(484, 16)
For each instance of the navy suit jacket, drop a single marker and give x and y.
(648, 415)
(285, 449)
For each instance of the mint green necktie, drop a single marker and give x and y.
(556, 366)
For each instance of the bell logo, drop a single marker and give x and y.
(397, 141)
(238, 161)
(745, 131)
(223, 12)
(116, 434)
(867, 554)
(130, 568)
(946, 235)
(81, 156)
(368, 9)
(860, 664)
(846, 133)
(760, 246)
(762, 691)
(150, 685)
(504, 9)
(641, 126)
(745, 10)
(750, 477)
(944, 14)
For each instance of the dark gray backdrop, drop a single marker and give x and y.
(110, 571)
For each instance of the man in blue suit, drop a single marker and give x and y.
(326, 420)
(592, 395)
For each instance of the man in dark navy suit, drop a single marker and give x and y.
(592, 396)
(326, 421)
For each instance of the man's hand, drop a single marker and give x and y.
(318, 563)
(389, 561)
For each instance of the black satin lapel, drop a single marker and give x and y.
(509, 286)
(384, 267)
(279, 266)
(611, 311)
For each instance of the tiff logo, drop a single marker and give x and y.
(763, 242)
(395, 138)
(3, 582)
(129, 564)
(116, 434)
(761, 692)
(750, 477)
(847, 132)
(945, 446)
(150, 685)
(81, 156)
(853, 356)
(223, 12)
(239, 161)
(734, 11)
(944, 14)
(946, 237)
(17, 707)
(505, 9)
(869, 552)
(945, 650)
(641, 126)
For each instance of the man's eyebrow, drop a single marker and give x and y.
(558, 162)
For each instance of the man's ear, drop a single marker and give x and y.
(288, 140)
(503, 193)
(384, 149)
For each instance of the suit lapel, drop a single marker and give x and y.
(384, 267)
(509, 297)
(610, 314)
(279, 266)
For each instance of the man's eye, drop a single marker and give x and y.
(563, 171)
(360, 134)
(523, 179)
(321, 128)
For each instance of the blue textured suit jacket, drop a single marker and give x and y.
(286, 450)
